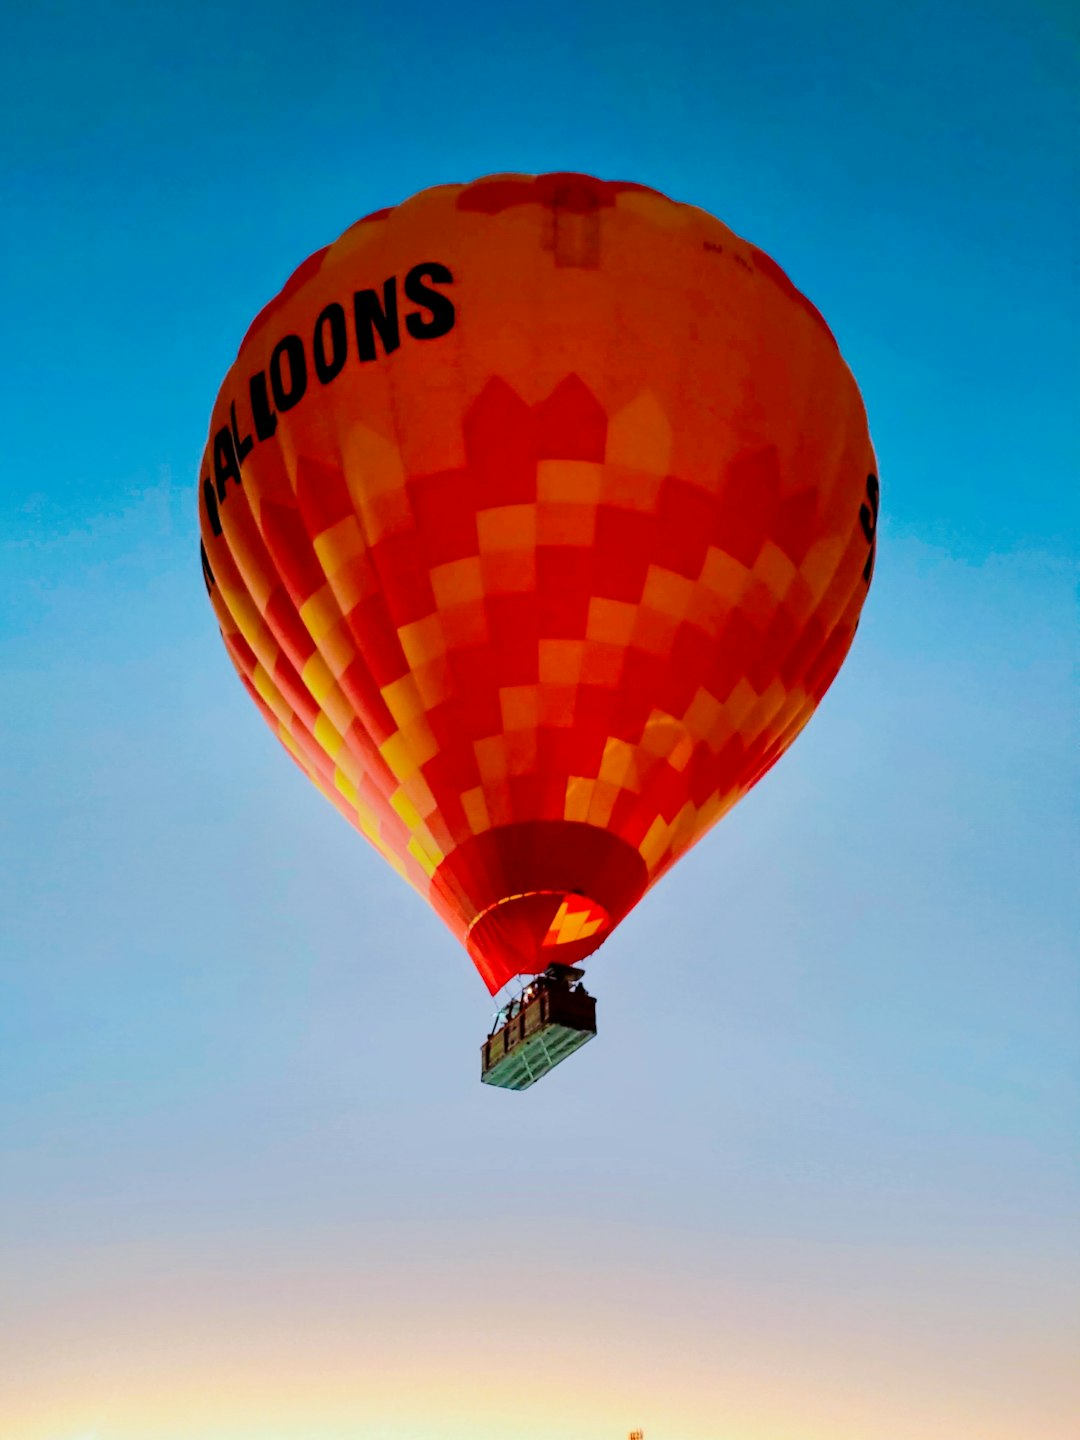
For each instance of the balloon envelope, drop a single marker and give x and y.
(537, 515)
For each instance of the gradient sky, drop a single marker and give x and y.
(818, 1177)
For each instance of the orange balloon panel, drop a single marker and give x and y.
(537, 515)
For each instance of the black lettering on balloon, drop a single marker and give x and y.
(285, 397)
(210, 499)
(207, 572)
(331, 319)
(440, 306)
(868, 518)
(284, 382)
(261, 410)
(245, 446)
(226, 465)
(371, 316)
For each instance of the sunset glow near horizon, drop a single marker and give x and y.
(817, 1177)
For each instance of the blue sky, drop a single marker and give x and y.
(819, 1179)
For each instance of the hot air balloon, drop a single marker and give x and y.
(537, 515)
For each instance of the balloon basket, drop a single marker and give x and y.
(554, 1016)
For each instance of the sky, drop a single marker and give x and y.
(818, 1177)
